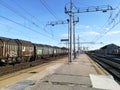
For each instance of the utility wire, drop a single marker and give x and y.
(16, 12)
(23, 26)
(29, 14)
(110, 22)
(23, 8)
(102, 28)
(43, 2)
(15, 29)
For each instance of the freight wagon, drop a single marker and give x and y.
(17, 51)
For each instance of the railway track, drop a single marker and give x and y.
(4, 70)
(33, 73)
(110, 65)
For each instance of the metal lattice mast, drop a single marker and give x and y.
(74, 45)
(53, 23)
(70, 12)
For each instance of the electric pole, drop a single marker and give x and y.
(70, 12)
(53, 23)
(71, 17)
(74, 23)
(78, 45)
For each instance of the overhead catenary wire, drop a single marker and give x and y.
(26, 11)
(51, 11)
(16, 12)
(23, 8)
(110, 24)
(102, 29)
(19, 14)
(43, 2)
(14, 29)
(23, 26)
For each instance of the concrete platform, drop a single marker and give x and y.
(74, 76)
(81, 74)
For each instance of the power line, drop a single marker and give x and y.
(103, 27)
(113, 21)
(23, 8)
(23, 26)
(43, 2)
(15, 29)
(110, 22)
(16, 12)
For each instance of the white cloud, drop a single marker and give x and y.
(84, 34)
(65, 35)
(92, 33)
(106, 29)
(89, 33)
(87, 26)
(83, 27)
(113, 32)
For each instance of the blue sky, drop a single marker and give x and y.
(32, 17)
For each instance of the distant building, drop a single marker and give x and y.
(109, 49)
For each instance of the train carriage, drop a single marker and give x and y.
(8, 50)
(26, 51)
(59, 51)
(64, 51)
(45, 51)
(1, 48)
(51, 51)
(16, 51)
(38, 51)
(54, 51)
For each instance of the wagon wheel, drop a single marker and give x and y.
(19, 60)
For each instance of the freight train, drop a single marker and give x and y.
(17, 51)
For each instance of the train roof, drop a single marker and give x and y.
(64, 48)
(37, 44)
(4, 38)
(23, 42)
(7, 40)
(42, 45)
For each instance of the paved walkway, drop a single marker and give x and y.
(81, 74)
(78, 75)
